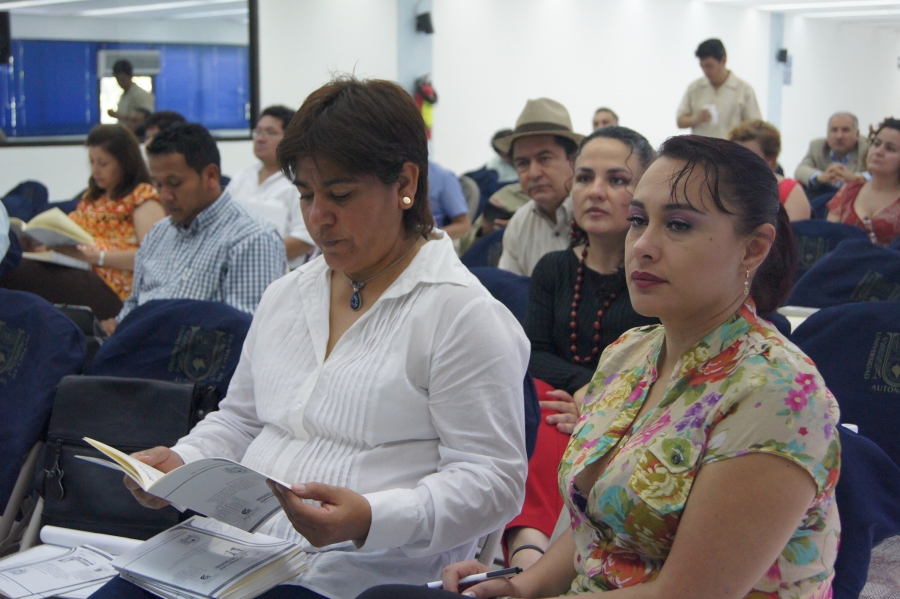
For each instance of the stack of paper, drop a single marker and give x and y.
(202, 558)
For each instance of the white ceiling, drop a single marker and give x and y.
(876, 12)
(131, 9)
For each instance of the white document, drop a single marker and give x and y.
(714, 111)
(216, 487)
(59, 571)
(205, 558)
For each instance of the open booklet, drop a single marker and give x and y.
(216, 487)
(52, 227)
(202, 558)
(57, 258)
(71, 564)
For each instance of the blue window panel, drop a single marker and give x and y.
(52, 89)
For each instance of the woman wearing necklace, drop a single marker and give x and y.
(381, 378)
(705, 462)
(874, 205)
(578, 305)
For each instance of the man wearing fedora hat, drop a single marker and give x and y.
(542, 148)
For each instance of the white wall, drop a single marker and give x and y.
(836, 67)
(301, 44)
(636, 57)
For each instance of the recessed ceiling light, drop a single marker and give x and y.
(121, 10)
(818, 5)
(212, 13)
(31, 3)
(852, 13)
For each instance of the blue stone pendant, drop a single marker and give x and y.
(356, 299)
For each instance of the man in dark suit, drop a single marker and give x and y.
(836, 159)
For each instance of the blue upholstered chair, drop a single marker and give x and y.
(818, 205)
(816, 238)
(183, 341)
(856, 271)
(38, 347)
(486, 251)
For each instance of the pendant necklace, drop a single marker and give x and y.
(356, 299)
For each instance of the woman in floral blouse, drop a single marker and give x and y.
(118, 208)
(659, 506)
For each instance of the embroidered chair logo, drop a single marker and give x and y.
(200, 353)
(811, 249)
(883, 365)
(873, 288)
(13, 343)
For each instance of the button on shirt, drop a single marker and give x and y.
(735, 102)
(531, 234)
(419, 407)
(274, 200)
(224, 255)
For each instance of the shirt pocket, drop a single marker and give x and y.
(665, 473)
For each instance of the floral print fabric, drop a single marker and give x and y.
(742, 389)
(111, 222)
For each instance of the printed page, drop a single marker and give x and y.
(56, 258)
(58, 222)
(203, 561)
(72, 570)
(142, 474)
(221, 489)
(69, 537)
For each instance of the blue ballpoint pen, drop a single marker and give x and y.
(474, 578)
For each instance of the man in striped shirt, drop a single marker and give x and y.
(209, 247)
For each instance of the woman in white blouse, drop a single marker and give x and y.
(382, 378)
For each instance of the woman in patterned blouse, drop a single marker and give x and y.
(659, 505)
(118, 208)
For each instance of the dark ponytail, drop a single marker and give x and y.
(775, 276)
(751, 190)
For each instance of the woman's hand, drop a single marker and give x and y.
(569, 409)
(496, 587)
(343, 515)
(164, 460)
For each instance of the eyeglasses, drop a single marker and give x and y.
(270, 133)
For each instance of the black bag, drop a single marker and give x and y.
(130, 415)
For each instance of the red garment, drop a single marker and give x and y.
(785, 187)
(885, 225)
(543, 503)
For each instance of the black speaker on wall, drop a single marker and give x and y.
(5, 38)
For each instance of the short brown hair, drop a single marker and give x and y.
(767, 135)
(366, 127)
(124, 146)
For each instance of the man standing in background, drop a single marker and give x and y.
(715, 103)
(133, 98)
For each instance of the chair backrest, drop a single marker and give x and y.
(856, 271)
(868, 498)
(818, 205)
(856, 347)
(13, 257)
(38, 347)
(486, 251)
(816, 238)
(26, 200)
(508, 288)
(183, 341)
(472, 195)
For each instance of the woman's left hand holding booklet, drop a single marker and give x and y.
(218, 488)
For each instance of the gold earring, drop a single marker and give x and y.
(407, 200)
(747, 283)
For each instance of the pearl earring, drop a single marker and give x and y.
(407, 200)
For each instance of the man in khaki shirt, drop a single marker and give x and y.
(133, 97)
(715, 103)
(542, 148)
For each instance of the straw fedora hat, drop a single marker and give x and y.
(540, 117)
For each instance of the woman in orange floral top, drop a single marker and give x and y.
(705, 461)
(119, 207)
